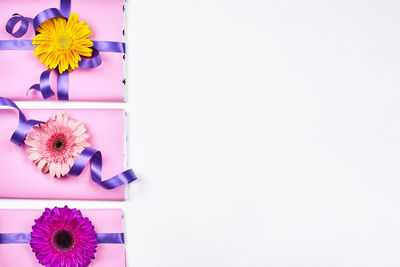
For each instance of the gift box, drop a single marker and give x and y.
(16, 228)
(20, 69)
(21, 178)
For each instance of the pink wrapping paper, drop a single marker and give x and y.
(21, 221)
(19, 70)
(20, 178)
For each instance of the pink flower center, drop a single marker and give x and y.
(63, 240)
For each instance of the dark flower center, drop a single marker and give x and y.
(64, 240)
(59, 144)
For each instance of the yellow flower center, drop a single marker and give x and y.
(63, 41)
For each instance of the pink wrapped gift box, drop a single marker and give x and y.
(20, 69)
(21, 221)
(20, 178)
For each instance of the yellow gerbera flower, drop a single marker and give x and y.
(61, 43)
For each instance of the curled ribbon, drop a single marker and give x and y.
(44, 86)
(93, 155)
(87, 62)
(25, 238)
(23, 28)
(88, 155)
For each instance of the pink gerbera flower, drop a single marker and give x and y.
(63, 237)
(55, 145)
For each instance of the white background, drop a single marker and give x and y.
(264, 133)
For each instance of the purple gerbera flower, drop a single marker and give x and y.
(62, 237)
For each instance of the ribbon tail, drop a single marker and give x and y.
(24, 126)
(62, 87)
(44, 87)
(35, 87)
(94, 156)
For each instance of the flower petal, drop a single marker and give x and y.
(53, 169)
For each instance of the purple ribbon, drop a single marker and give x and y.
(15, 238)
(88, 155)
(16, 45)
(25, 238)
(93, 155)
(65, 8)
(45, 89)
(46, 15)
(91, 62)
(23, 28)
(86, 62)
(44, 86)
(62, 86)
(111, 238)
(24, 126)
(106, 46)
